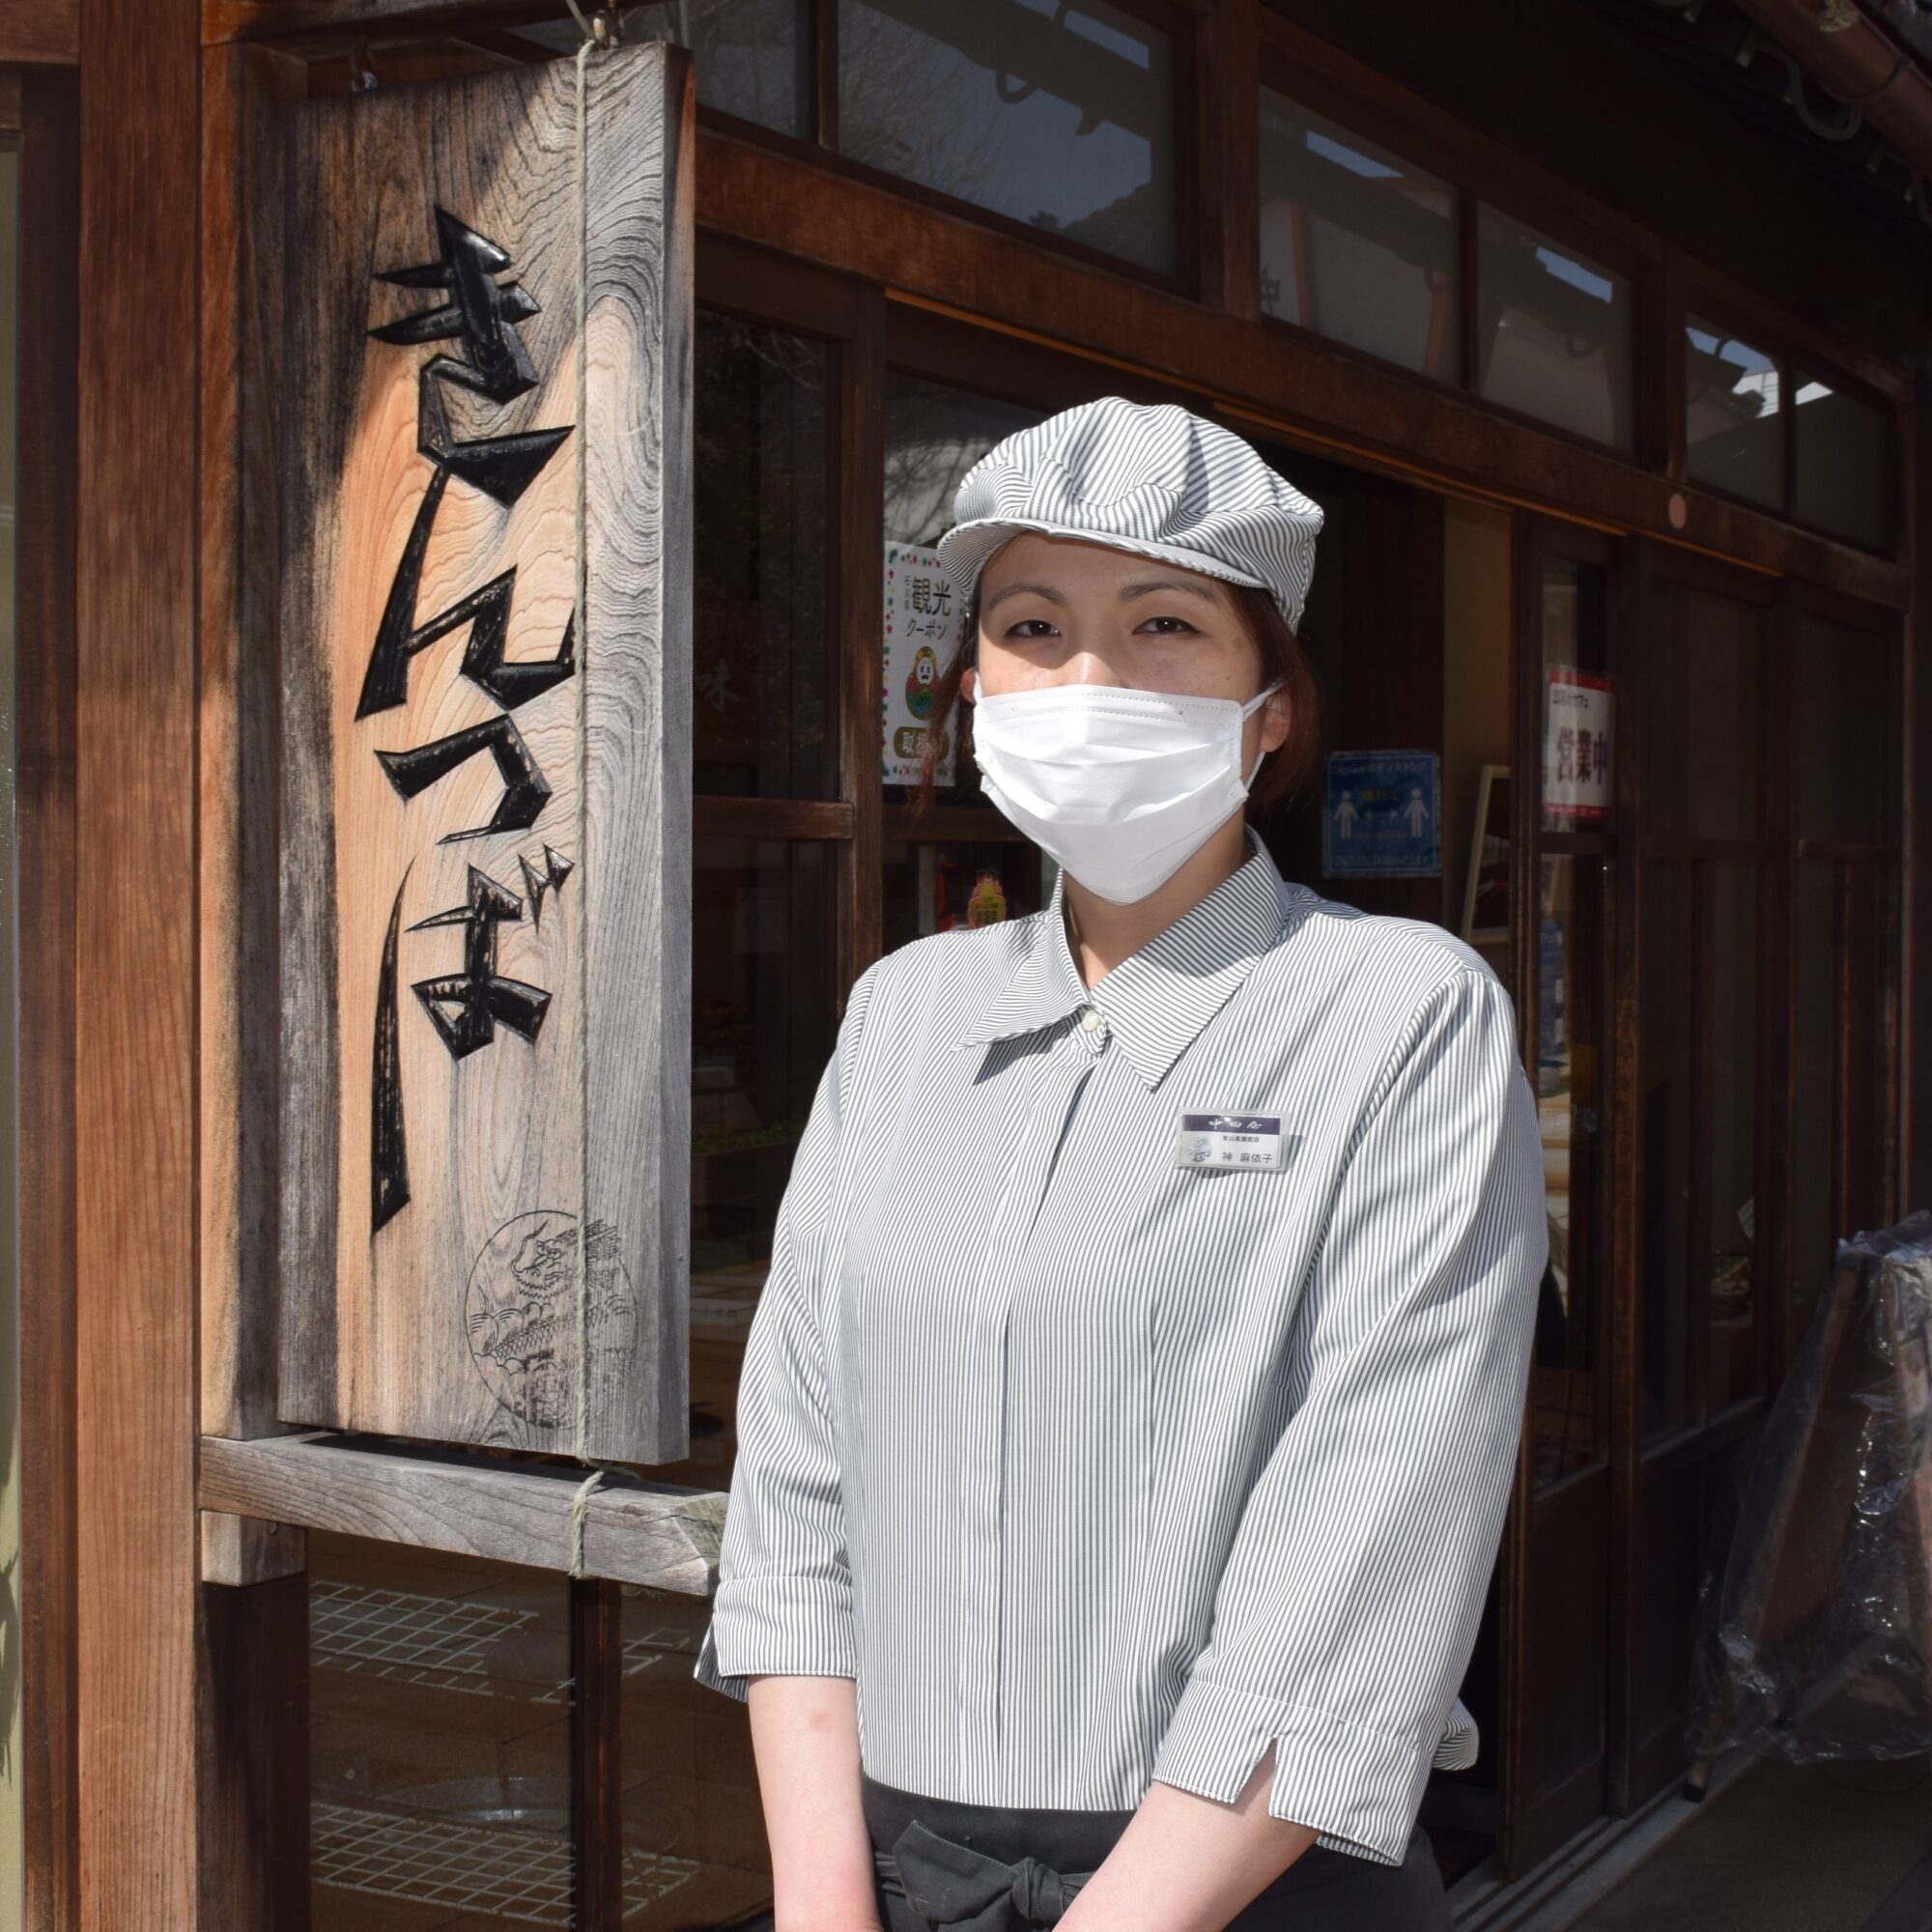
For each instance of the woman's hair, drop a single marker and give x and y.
(1284, 770)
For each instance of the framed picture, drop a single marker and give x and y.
(1485, 905)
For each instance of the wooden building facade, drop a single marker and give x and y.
(1600, 330)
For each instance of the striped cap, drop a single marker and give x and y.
(1154, 480)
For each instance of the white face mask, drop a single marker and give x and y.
(1121, 787)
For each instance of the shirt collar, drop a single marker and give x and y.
(1158, 1000)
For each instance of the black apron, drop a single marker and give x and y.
(1005, 1868)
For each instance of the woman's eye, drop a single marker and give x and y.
(1030, 627)
(1169, 627)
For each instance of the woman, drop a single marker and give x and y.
(1127, 1422)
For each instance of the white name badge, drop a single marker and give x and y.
(1230, 1140)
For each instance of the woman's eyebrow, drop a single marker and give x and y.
(1127, 590)
(1005, 590)
(1165, 584)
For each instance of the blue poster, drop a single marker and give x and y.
(1382, 814)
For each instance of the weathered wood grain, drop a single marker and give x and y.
(251, 1659)
(252, 1756)
(239, 1551)
(134, 968)
(445, 1306)
(46, 835)
(261, 20)
(246, 94)
(635, 1532)
(39, 33)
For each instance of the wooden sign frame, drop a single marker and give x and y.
(485, 835)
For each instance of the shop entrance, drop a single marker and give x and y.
(1708, 998)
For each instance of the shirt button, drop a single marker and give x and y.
(1089, 1018)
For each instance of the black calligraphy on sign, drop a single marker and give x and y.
(476, 316)
(467, 1006)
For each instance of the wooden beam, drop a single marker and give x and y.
(48, 304)
(472, 1504)
(1306, 391)
(773, 817)
(237, 1550)
(1227, 139)
(959, 824)
(272, 20)
(252, 1712)
(39, 33)
(861, 534)
(135, 971)
(597, 1751)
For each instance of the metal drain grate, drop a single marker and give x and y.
(439, 1642)
(501, 1872)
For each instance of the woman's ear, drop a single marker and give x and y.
(1277, 715)
(967, 685)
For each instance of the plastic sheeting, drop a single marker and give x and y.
(1814, 1639)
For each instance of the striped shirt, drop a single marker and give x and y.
(1091, 1467)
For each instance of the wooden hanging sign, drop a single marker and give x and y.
(485, 838)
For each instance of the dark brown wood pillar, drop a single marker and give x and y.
(134, 966)
(44, 831)
(1917, 1073)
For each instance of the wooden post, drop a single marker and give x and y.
(134, 967)
(1916, 1071)
(45, 829)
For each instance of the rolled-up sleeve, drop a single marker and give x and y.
(784, 1601)
(1349, 1604)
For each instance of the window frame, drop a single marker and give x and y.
(1477, 171)
(1787, 435)
(1746, 322)
(1460, 225)
(1183, 26)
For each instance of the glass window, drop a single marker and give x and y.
(1842, 911)
(765, 991)
(747, 52)
(1701, 719)
(1056, 115)
(1844, 464)
(1816, 957)
(1699, 1207)
(1729, 1037)
(764, 917)
(1554, 330)
(1355, 243)
(1733, 428)
(1845, 701)
(1668, 1060)
(933, 886)
(763, 685)
(933, 434)
(439, 1740)
(1578, 704)
(1570, 1104)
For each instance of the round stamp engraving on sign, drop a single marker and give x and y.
(521, 1311)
